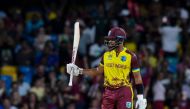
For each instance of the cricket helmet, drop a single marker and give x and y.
(116, 36)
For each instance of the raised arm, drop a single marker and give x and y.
(72, 68)
(90, 72)
(94, 71)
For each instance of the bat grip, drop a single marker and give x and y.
(71, 78)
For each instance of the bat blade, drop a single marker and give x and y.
(75, 47)
(75, 41)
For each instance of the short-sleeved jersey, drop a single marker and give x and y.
(117, 69)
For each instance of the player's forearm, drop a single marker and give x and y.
(91, 72)
(139, 89)
(138, 83)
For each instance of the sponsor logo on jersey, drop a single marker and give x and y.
(123, 58)
(116, 65)
(109, 57)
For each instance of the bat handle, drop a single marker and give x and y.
(71, 79)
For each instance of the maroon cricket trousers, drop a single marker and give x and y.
(120, 98)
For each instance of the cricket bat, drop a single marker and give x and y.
(75, 48)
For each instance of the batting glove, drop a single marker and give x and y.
(141, 102)
(74, 69)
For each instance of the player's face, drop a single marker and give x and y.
(110, 43)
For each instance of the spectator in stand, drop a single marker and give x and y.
(7, 50)
(51, 79)
(71, 106)
(173, 92)
(64, 54)
(25, 55)
(23, 88)
(146, 68)
(24, 105)
(2, 88)
(55, 101)
(95, 104)
(183, 101)
(83, 46)
(41, 39)
(95, 52)
(32, 100)
(66, 36)
(170, 34)
(40, 72)
(159, 92)
(7, 104)
(14, 87)
(39, 89)
(90, 31)
(34, 23)
(16, 99)
(51, 55)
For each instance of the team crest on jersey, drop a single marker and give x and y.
(109, 57)
(123, 58)
(128, 104)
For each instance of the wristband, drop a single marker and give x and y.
(80, 71)
(140, 89)
(140, 97)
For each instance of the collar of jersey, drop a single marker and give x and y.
(124, 49)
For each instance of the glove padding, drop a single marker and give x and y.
(141, 102)
(74, 69)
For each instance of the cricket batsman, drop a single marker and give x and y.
(119, 66)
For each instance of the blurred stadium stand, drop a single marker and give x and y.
(36, 39)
